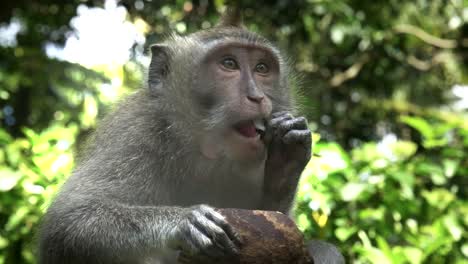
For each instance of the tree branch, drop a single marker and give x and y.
(426, 37)
(350, 73)
(424, 65)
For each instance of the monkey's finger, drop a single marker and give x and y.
(273, 123)
(193, 240)
(204, 220)
(227, 239)
(210, 230)
(220, 220)
(221, 243)
(280, 113)
(216, 227)
(298, 136)
(299, 123)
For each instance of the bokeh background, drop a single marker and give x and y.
(383, 83)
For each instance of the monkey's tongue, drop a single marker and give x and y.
(247, 129)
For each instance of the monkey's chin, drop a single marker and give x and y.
(246, 148)
(234, 146)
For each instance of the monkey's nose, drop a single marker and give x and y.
(256, 98)
(254, 94)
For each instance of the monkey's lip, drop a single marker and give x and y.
(251, 128)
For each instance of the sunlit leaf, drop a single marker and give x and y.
(30, 134)
(438, 198)
(89, 111)
(33, 188)
(8, 179)
(453, 226)
(343, 233)
(384, 247)
(302, 222)
(413, 255)
(450, 167)
(16, 218)
(464, 249)
(403, 149)
(3, 242)
(331, 158)
(376, 214)
(14, 151)
(374, 255)
(351, 191)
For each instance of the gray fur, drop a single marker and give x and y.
(324, 253)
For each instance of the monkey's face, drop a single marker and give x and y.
(234, 87)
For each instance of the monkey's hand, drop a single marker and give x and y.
(203, 236)
(288, 140)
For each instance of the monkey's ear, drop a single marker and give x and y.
(158, 68)
(232, 17)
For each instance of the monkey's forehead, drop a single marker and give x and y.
(214, 37)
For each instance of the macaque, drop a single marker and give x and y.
(213, 128)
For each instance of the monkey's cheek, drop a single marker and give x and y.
(209, 149)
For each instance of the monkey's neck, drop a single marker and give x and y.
(230, 184)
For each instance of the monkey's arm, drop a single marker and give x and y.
(104, 231)
(289, 150)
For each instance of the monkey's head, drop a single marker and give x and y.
(222, 84)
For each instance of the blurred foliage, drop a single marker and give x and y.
(388, 183)
(391, 201)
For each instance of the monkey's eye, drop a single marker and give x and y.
(230, 64)
(262, 68)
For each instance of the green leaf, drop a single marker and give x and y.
(8, 179)
(366, 153)
(303, 222)
(343, 233)
(5, 137)
(403, 177)
(464, 249)
(384, 247)
(375, 255)
(351, 191)
(434, 135)
(3, 242)
(413, 255)
(330, 158)
(421, 125)
(438, 198)
(403, 149)
(16, 218)
(435, 172)
(450, 167)
(376, 214)
(453, 226)
(30, 134)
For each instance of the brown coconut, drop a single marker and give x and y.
(268, 238)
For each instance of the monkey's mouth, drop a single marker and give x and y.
(251, 128)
